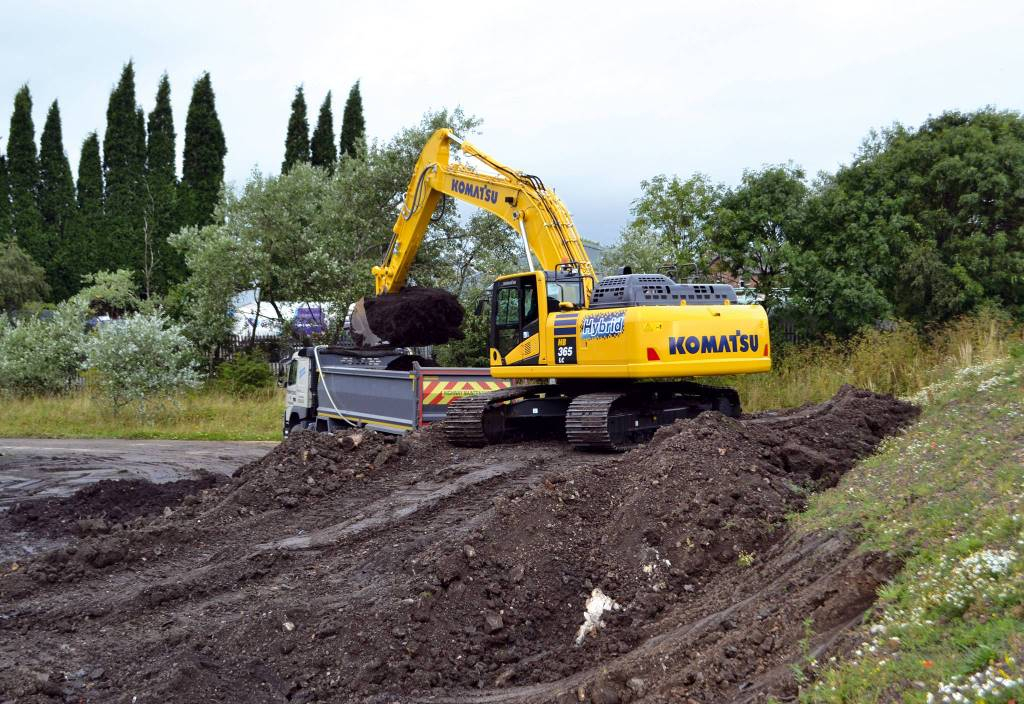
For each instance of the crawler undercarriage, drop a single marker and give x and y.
(610, 419)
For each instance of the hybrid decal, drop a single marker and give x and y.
(739, 342)
(480, 192)
(596, 327)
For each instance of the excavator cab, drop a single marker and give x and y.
(520, 306)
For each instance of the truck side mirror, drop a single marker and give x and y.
(480, 303)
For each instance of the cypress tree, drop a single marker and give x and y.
(323, 151)
(5, 200)
(353, 126)
(23, 177)
(203, 170)
(57, 206)
(124, 158)
(296, 143)
(162, 180)
(89, 226)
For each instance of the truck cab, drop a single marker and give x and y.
(300, 394)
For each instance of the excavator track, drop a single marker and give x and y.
(617, 421)
(475, 421)
(604, 421)
(587, 422)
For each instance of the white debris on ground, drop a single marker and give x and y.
(597, 604)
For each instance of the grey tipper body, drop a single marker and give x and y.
(335, 388)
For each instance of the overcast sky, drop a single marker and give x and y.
(594, 97)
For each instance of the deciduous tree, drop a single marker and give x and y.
(21, 279)
(307, 235)
(670, 229)
(929, 221)
(754, 224)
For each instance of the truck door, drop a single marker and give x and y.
(298, 392)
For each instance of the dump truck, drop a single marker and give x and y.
(391, 391)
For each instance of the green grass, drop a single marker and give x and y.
(205, 414)
(947, 497)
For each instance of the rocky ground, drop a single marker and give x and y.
(409, 570)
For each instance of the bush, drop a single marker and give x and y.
(42, 355)
(110, 292)
(141, 360)
(245, 373)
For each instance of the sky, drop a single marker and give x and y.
(594, 97)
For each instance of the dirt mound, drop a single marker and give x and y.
(440, 573)
(647, 529)
(415, 316)
(101, 506)
(310, 466)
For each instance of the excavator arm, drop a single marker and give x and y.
(521, 200)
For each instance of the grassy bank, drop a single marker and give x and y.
(948, 499)
(200, 415)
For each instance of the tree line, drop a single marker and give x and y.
(127, 198)
(925, 224)
(319, 149)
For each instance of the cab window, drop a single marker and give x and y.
(531, 310)
(566, 292)
(293, 372)
(506, 317)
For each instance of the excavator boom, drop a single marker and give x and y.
(521, 200)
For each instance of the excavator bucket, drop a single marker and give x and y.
(415, 316)
(360, 327)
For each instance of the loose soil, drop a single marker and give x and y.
(415, 316)
(107, 505)
(414, 571)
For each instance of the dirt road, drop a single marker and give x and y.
(383, 571)
(32, 468)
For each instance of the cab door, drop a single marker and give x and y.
(298, 391)
(518, 312)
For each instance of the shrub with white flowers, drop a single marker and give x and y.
(142, 360)
(43, 355)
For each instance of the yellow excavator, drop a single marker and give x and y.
(603, 359)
